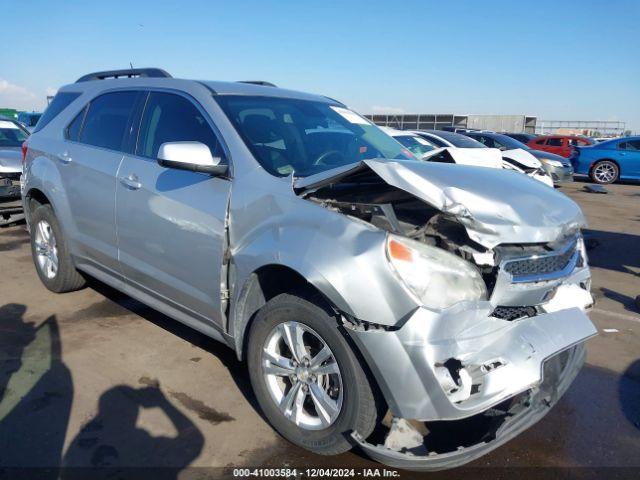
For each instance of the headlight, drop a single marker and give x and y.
(552, 163)
(436, 277)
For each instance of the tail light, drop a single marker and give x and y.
(25, 149)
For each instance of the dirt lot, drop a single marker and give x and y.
(93, 378)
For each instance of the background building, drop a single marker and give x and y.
(447, 121)
(500, 123)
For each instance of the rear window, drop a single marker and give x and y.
(11, 135)
(460, 141)
(106, 120)
(57, 105)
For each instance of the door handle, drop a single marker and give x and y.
(65, 158)
(131, 181)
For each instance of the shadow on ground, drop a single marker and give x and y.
(225, 354)
(36, 393)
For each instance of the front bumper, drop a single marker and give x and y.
(9, 187)
(500, 358)
(559, 373)
(560, 174)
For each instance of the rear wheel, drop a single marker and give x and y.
(605, 172)
(51, 254)
(307, 380)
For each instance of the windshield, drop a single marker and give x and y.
(306, 137)
(416, 145)
(11, 135)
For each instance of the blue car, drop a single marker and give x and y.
(609, 161)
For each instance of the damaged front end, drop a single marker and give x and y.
(439, 445)
(487, 355)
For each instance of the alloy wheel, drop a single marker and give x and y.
(46, 249)
(302, 376)
(605, 172)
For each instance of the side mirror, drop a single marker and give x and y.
(192, 156)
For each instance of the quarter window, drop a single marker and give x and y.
(106, 121)
(73, 130)
(172, 118)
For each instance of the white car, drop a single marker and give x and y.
(431, 149)
(476, 153)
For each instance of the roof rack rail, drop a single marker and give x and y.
(129, 73)
(257, 82)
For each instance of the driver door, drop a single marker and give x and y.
(171, 223)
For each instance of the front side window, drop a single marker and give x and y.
(554, 142)
(486, 141)
(105, 123)
(11, 135)
(303, 137)
(172, 118)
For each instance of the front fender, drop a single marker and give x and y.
(341, 256)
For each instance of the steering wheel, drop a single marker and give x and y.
(322, 159)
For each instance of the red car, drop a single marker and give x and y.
(559, 144)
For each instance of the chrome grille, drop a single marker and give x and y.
(544, 266)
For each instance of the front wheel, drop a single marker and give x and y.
(605, 172)
(306, 377)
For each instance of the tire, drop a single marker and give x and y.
(358, 411)
(64, 277)
(604, 172)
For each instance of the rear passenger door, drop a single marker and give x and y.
(171, 223)
(92, 153)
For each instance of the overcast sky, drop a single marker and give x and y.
(556, 60)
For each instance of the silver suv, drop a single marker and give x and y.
(426, 312)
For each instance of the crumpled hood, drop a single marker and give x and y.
(10, 160)
(495, 206)
(523, 157)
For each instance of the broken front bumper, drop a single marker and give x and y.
(452, 365)
(559, 372)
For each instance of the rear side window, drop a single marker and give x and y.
(630, 145)
(57, 105)
(173, 118)
(105, 123)
(554, 142)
